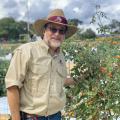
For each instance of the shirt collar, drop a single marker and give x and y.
(44, 46)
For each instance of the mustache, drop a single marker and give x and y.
(57, 38)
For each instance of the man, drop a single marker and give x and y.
(37, 72)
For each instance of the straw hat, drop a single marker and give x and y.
(55, 16)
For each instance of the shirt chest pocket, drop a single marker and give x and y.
(39, 69)
(61, 71)
(61, 74)
(38, 79)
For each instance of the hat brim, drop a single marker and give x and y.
(39, 27)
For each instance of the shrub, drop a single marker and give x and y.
(97, 73)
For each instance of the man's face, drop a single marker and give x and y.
(54, 35)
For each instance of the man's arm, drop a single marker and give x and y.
(13, 101)
(69, 81)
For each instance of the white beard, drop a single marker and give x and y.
(53, 44)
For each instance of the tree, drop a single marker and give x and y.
(5, 24)
(82, 35)
(88, 34)
(97, 18)
(74, 21)
(12, 29)
(114, 26)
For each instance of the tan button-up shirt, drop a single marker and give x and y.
(40, 78)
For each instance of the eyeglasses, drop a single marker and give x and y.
(54, 30)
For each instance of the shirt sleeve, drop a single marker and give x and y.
(17, 70)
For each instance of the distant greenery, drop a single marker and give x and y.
(3, 69)
(4, 63)
(12, 30)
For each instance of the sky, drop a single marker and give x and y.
(31, 10)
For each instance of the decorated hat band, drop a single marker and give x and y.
(58, 19)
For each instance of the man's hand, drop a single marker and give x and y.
(69, 81)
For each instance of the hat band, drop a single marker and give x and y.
(58, 19)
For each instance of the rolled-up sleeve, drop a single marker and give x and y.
(18, 67)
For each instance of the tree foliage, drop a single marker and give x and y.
(88, 34)
(11, 29)
(75, 21)
(114, 27)
(98, 19)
